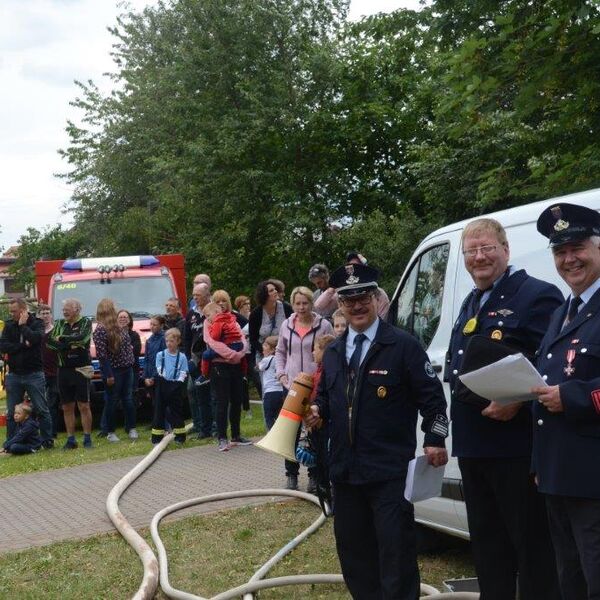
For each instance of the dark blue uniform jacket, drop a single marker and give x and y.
(566, 449)
(395, 380)
(519, 308)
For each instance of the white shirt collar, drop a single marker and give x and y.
(586, 295)
(370, 332)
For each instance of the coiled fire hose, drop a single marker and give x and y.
(151, 564)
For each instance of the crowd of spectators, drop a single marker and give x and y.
(208, 358)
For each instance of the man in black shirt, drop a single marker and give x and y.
(21, 341)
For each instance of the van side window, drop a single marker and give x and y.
(420, 300)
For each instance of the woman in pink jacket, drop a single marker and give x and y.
(226, 379)
(294, 354)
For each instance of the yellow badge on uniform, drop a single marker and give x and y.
(381, 392)
(496, 334)
(470, 326)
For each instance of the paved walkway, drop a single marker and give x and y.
(70, 503)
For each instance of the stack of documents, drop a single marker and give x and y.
(423, 481)
(507, 381)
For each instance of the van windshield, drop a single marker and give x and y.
(141, 296)
(420, 301)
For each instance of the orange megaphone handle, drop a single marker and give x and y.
(297, 400)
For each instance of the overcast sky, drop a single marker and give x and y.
(44, 46)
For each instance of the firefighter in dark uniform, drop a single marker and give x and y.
(506, 516)
(375, 380)
(566, 449)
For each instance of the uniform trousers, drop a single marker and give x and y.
(168, 395)
(575, 529)
(375, 536)
(509, 530)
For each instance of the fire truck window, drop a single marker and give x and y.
(143, 296)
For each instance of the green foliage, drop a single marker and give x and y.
(517, 105)
(52, 243)
(260, 136)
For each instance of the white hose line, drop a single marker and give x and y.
(149, 583)
(150, 563)
(252, 585)
(256, 582)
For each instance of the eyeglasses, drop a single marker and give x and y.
(485, 250)
(362, 300)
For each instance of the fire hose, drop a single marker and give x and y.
(157, 569)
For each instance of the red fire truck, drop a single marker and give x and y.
(139, 284)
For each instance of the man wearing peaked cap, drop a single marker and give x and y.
(375, 380)
(507, 310)
(328, 299)
(566, 448)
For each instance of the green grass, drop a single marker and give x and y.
(104, 450)
(207, 554)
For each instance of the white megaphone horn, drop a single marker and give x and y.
(281, 438)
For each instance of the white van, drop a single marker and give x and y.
(428, 298)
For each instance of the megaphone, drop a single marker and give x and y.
(281, 438)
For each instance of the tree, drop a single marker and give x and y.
(52, 243)
(517, 111)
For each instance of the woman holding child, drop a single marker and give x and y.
(227, 350)
(294, 354)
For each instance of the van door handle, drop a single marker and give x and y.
(436, 367)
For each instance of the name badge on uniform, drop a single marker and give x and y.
(470, 326)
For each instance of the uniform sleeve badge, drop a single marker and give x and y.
(429, 370)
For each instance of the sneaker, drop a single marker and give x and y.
(292, 482)
(201, 381)
(241, 441)
(311, 488)
(48, 444)
(69, 445)
(223, 445)
(87, 443)
(133, 434)
(112, 437)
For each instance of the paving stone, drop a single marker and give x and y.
(70, 503)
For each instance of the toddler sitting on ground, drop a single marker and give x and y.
(27, 437)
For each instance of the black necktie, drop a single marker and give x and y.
(354, 363)
(476, 301)
(576, 302)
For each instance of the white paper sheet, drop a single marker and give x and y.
(505, 381)
(422, 480)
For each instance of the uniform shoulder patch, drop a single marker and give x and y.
(429, 370)
(440, 426)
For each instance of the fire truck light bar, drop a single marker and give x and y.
(85, 264)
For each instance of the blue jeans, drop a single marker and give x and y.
(17, 448)
(120, 390)
(35, 386)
